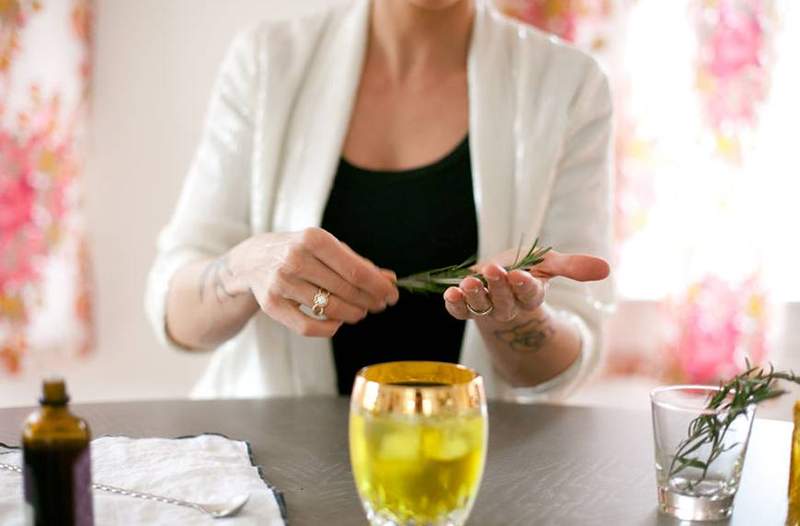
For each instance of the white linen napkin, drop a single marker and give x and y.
(202, 469)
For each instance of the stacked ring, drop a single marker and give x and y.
(320, 301)
(479, 313)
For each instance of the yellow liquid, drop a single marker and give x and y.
(417, 469)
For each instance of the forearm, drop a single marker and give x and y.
(533, 347)
(203, 310)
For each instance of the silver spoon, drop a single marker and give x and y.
(217, 511)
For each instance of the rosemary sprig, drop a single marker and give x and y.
(753, 386)
(438, 280)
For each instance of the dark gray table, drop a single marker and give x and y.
(547, 465)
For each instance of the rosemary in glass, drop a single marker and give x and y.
(438, 280)
(753, 386)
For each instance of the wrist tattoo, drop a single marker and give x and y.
(529, 336)
(212, 277)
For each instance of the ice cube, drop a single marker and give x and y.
(444, 443)
(400, 444)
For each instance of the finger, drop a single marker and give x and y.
(500, 293)
(504, 259)
(350, 266)
(528, 291)
(288, 313)
(302, 292)
(476, 294)
(580, 267)
(454, 303)
(319, 274)
(389, 274)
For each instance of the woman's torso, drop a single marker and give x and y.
(408, 221)
(523, 89)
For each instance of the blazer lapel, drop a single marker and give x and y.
(320, 121)
(313, 147)
(493, 150)
(492, 146)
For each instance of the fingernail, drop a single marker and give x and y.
(492, 278)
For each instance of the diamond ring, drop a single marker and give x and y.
(319, 303)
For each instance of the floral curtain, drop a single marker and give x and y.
(706, 100)
(45, 67)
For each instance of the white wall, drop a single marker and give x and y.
(154, 64)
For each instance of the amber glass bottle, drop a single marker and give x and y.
(793, 516)
(58, 485)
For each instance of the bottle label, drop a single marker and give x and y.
(82, 473)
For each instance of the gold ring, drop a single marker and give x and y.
(320, 302)
(479, 313)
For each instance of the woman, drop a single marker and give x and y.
(379, 139)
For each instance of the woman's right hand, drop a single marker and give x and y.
(285, 270)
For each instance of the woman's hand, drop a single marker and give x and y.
(286, 270)
(517, 294)
(527, 343)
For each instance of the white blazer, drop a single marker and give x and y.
(539, 133)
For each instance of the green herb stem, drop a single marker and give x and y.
(438, 280)
(732, 400)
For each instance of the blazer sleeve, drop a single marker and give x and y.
(212, 212)
(578, 220)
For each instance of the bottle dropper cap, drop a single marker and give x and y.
(54, 391)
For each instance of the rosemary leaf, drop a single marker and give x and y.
(733, 399)
(436, 281)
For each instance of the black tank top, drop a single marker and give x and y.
(407, 221)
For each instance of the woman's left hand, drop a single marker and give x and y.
(510, 295)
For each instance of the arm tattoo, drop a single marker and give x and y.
(212, 275)
(527, 337)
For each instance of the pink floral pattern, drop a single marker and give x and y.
(733, 65)
(576, 21)
(35, 176)
(559, 17)
(13, 15)
(717, 326)
(40, 161)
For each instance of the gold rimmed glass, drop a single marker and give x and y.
(418, 442)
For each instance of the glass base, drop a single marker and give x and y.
(688, 508)
(383, 518)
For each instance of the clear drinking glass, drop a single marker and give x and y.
(418, 442)
(697, 479)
